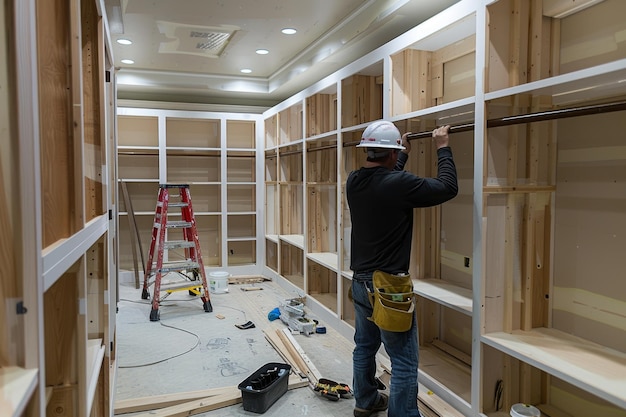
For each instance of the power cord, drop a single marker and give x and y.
(170, 357)
(175, 328)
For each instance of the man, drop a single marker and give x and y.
(382, 197)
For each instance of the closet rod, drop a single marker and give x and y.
(513, 120)
(321, 148)
(534, 117)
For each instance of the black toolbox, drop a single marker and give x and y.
(266, 385)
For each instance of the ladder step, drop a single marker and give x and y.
(185, 285)
(173, 204)
(178, 266)
(175, 244)
(178, 224)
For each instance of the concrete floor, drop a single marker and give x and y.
(189, 350)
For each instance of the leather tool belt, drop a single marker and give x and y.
(393, 301)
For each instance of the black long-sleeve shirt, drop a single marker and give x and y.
(381, 210)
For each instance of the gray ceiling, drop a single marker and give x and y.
(194, 50)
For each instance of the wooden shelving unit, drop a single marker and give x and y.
(501, 272)
(216, 154)
(57, 327)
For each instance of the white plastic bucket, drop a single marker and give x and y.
(218, 282)
(524, 410)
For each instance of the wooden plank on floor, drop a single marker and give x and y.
(279, 345)
(201, 405)
(134, 405)
(309, 364)
(301, 364)
(244, 279)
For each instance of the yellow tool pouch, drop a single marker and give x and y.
(393, 301)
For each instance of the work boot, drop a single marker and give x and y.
(380, 405)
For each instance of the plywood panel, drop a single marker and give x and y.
(241, 252)
(590, 230)
(143, 196)
(241, 198)
(271, 255)
(291, 201)
(240, 167)
(322, 285)
(290, 124)
(242, 226)
(96, 285)
(93, 81)
(193, 168)
(593, 36)
(144, 166)
(322, 218)
(456, 216)
(361, 100)
(55, 98)
(138, 131)
(60, 331)
(8, 283)
(240, 134)
(10, 335)
(321, 114)
(195, 133)
(292, 264)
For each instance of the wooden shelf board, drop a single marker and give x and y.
(295, 240)
(449, 295)
(589, 366)
(324, 135)
(139, 213)
(586, 84)
(250, 151)
(58, 257)
(16, 387)
(455, 112)
(327, 259)
(347, 273)
(272, 238)
(138, 180)
(242, 239)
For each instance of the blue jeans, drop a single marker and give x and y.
(402, 349)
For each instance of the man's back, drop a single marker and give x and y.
(381, 208)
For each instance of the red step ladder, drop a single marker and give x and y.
(191, 268)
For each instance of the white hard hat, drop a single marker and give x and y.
(381, 134)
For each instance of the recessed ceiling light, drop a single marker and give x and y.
(246, 70)
(262, 51)
(289, 31)
(128, 61)
(124, 41)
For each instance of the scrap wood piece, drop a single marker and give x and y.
(291, 343)
(133, 405)
(246, 279)
(284, 353)
(251, 288)
(189, 407)
(293, 354)
(197, 406)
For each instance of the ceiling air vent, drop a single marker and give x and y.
(195, 40)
